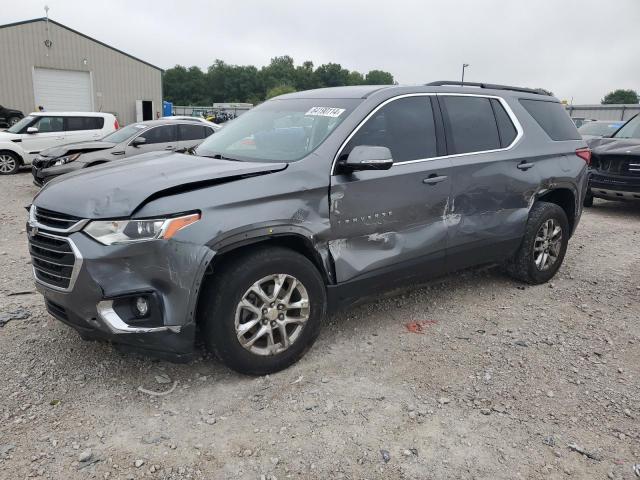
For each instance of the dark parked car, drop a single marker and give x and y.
(9, 116)
(615, 168)
(306, 203)
(599, 129)
(135, 139)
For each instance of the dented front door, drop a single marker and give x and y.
(392, 221)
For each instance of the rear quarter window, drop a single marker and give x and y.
(553, 119)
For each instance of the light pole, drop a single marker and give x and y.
(464, 65)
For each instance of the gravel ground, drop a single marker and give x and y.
(499, 383)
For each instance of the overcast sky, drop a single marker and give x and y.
(579, 49)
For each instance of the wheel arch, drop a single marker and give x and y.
(566, 199)
(5, 149)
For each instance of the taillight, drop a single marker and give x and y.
(116, 125)
(585, 154)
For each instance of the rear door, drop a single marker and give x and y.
(392, 223)
(491, 184)
(161, 138)
(82, 129)
(50, 134)
(191, 135)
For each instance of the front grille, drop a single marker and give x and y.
(618, 165)
(52, 258)
(54, 219)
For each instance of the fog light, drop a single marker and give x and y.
(142, 306)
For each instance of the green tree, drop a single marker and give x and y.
(621, 96)
(355, 78)
(305, 78)
(280, 71)
(279, 90)
(332, 75)
(379, 77)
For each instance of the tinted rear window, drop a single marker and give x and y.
(553, 119)
(84, 123)
(471, 124)
(191, 132)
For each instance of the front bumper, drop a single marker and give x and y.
(614, 187)
(170, 272)
(42, 174)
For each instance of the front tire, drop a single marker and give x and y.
(9, 163)
(544, 245)
(263, 310)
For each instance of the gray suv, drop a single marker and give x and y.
(308, 202)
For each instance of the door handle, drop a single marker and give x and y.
(169, 148)
(526, 166)
(433, 179)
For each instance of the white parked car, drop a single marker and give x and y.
(20, 143)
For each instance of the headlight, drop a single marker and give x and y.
(66, 159)
(109, 232)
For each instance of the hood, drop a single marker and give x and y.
(117, 189)
(55, 152)
(616, 146)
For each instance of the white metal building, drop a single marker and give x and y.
(43, 62)
(604, 112)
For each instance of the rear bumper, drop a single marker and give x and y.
(96, 304)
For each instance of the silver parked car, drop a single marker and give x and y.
(134, 139)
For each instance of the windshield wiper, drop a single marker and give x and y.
(219, 156)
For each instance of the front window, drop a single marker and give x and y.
(124, 133)
(21, 125)
(631, 129)
(278, 130)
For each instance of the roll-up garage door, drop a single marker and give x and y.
(62, 90)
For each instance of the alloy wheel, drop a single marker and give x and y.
(272, 314)
(547, 245)
(7, 163)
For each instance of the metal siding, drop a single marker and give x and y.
(604, 112)
(120, 79)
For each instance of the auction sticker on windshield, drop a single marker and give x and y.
(325, 111)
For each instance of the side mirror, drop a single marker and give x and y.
(32, 130)
(138, 141)
(367, 157)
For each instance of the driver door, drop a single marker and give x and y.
(393, 223)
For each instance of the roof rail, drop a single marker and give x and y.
(491, 86)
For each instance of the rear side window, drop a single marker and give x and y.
(553, 119)
(506, 128)
(471, 124)
(191, 132)
(83, 123)
(164, 134)
(405, 126)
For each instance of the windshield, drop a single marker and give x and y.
(599, 128)
(124, 133)
(630, 130)
(18, 127)
(278, 130)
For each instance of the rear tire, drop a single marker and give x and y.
(543, 246)
(13, 120)
(249, 326)
(9, 163)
